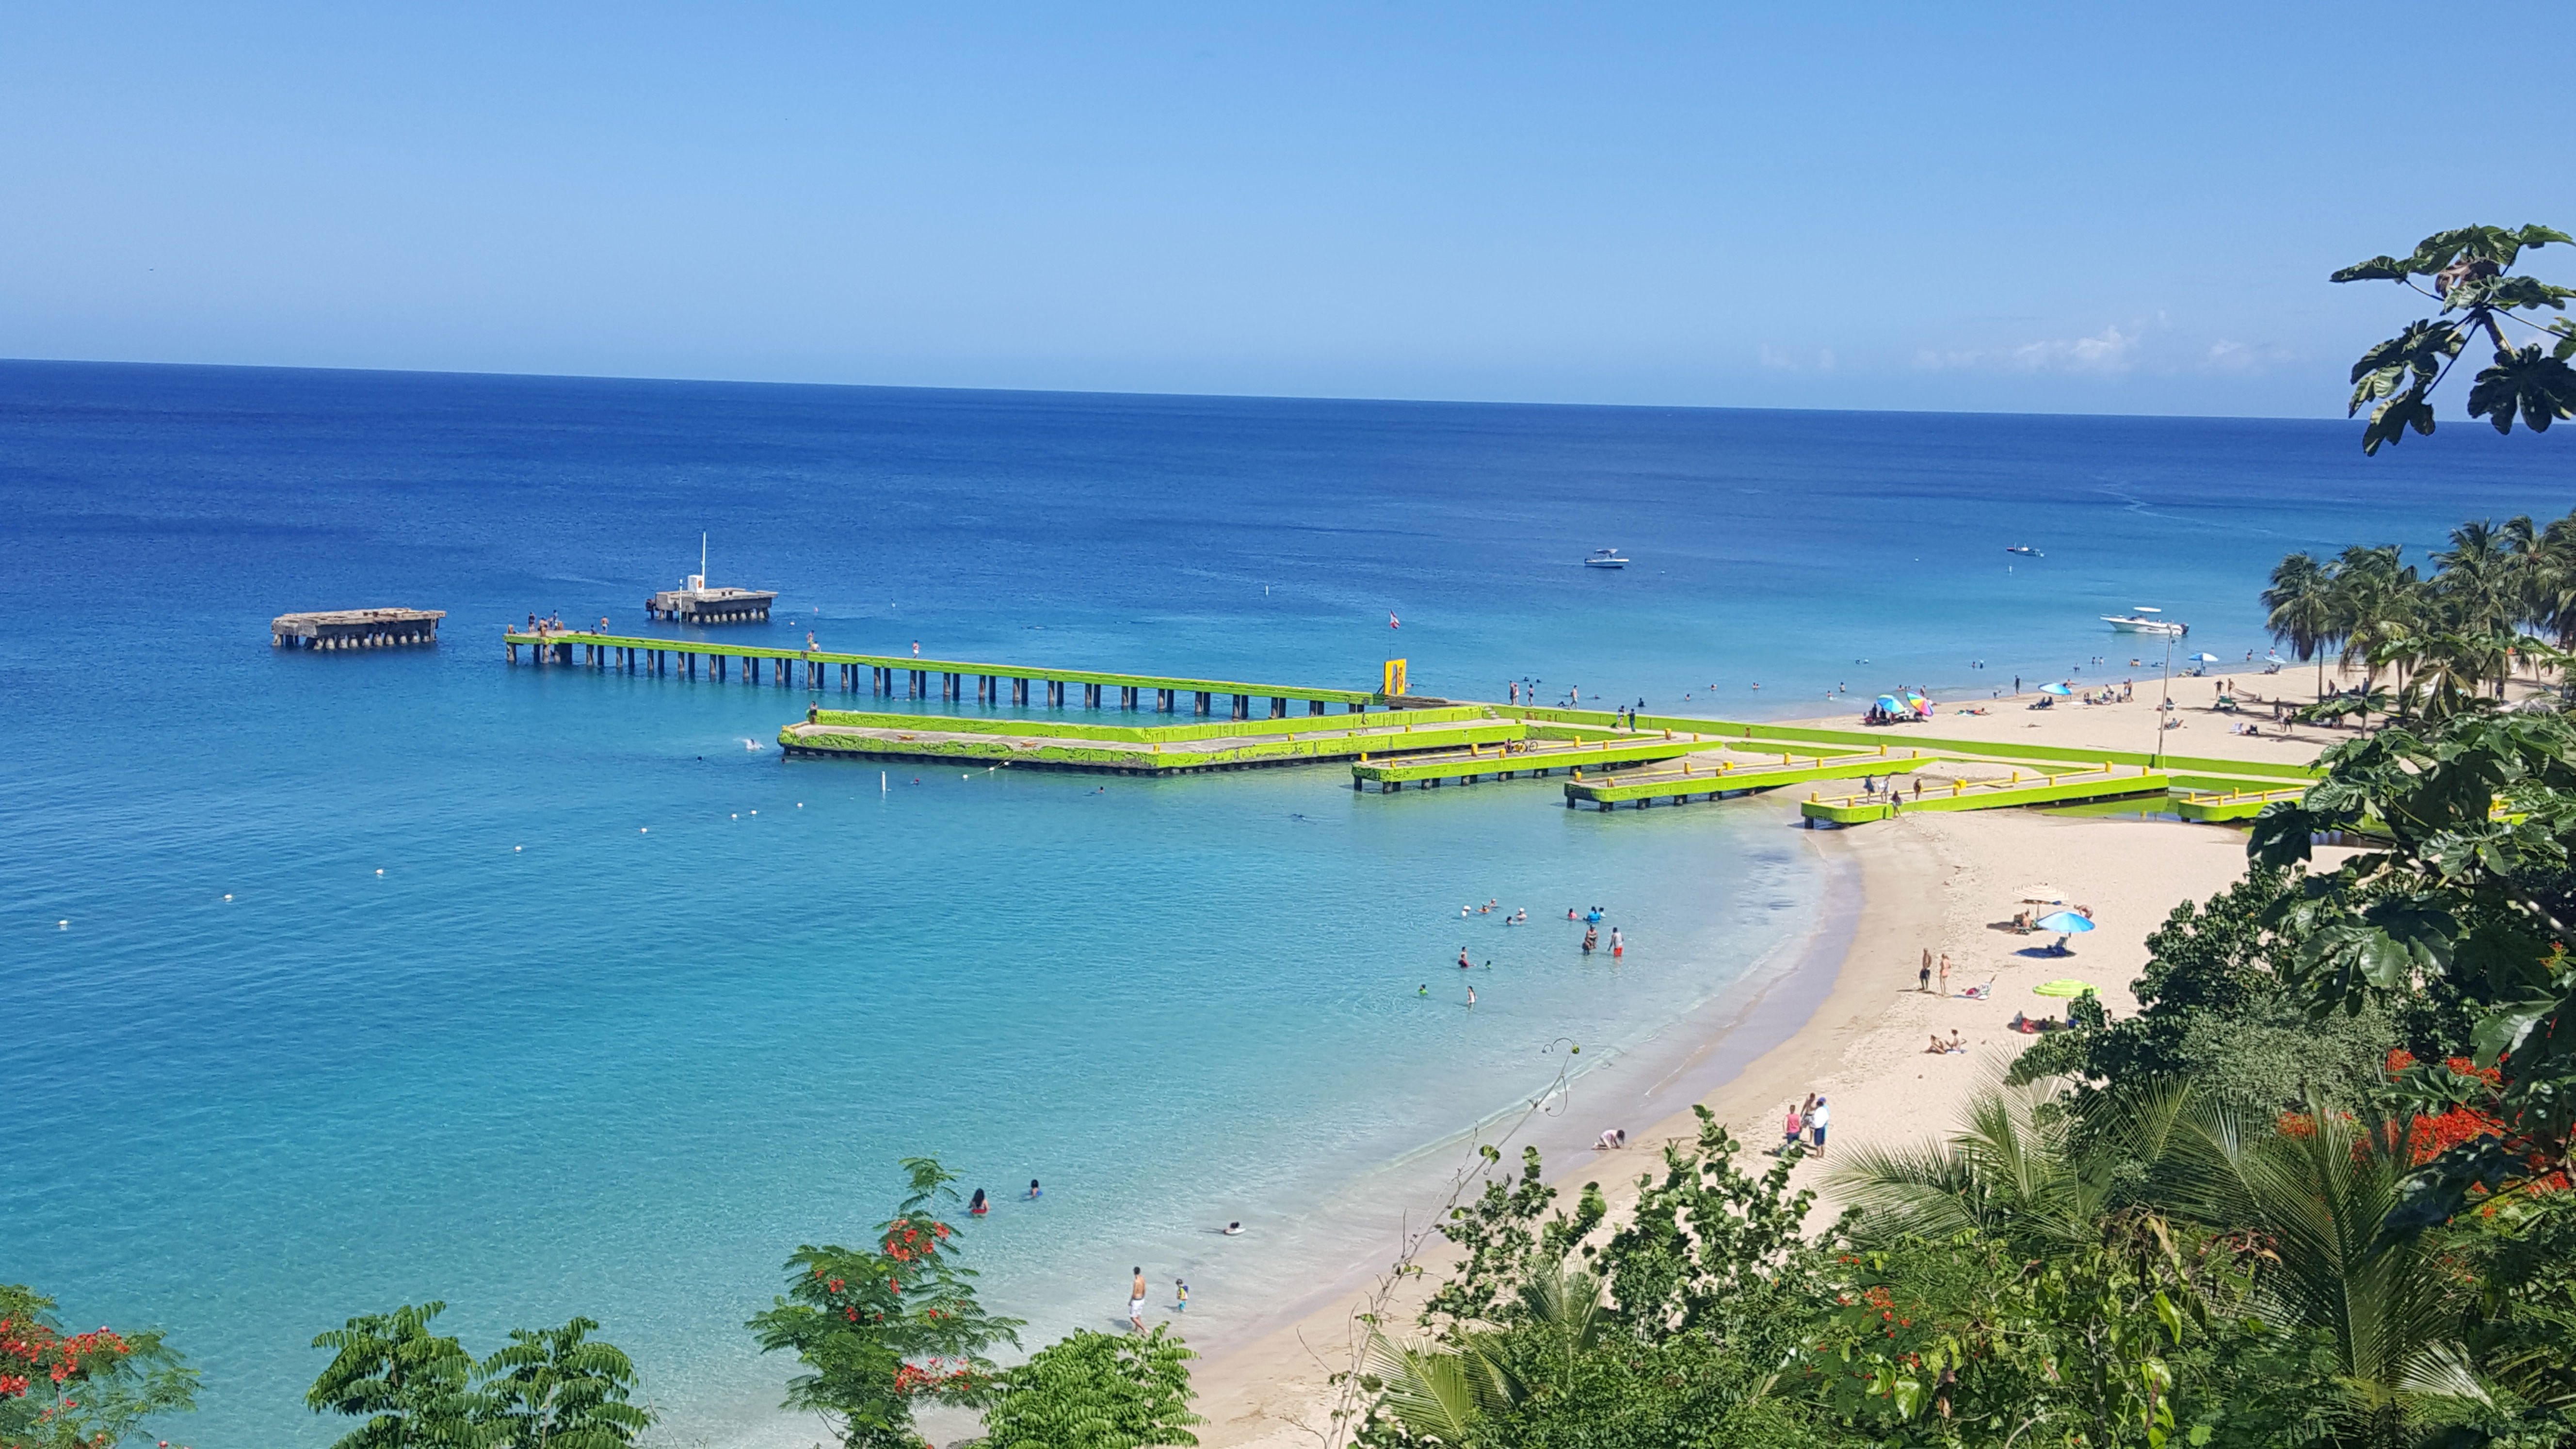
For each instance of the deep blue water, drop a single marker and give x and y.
(602, 1040)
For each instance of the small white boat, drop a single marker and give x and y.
(2145, 620)
(2023, 549)
(1605, 558)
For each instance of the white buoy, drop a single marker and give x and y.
(227, 896)
(380, 872)
(62, 925)
(515, 849)
(737, 815)
(800, 804)
(643, 829)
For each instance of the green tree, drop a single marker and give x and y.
(1095, 1391)
(2467, 899)
(413, 1387)
(2470, 273)
(81, 1390)
(881, 1329)
(558, 1388)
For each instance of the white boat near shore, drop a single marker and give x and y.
(1605, 558)
(2145, 620)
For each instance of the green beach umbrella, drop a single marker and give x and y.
(2061, 988)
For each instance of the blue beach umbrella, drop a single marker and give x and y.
(2055, 689)
(1888, 703)
(2066, 923)
(2204, 659)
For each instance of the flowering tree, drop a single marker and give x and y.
(80, 1390)
(882, 1329)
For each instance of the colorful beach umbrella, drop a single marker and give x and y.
(1888, 703)
(2059, 689)
(2061, 988)
(2066, 923)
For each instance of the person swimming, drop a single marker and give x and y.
(1035, 1192)
(1462, 958)
(1591, 938)
(977, 1204)
(1234, 1230)
(1425, 990)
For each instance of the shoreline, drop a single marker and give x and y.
(1272, 1390)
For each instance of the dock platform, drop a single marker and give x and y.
(1529, 752)
(1177, 749)
(2207, 805)
(356, 629)
(1726, 779)
(2064, 788)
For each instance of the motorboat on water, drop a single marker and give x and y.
(1605, 558)
(2025, 550)
(2145, 620)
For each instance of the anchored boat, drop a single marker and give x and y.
(1605, 558)
(2145, 620)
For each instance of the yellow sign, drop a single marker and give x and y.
(1395, 678)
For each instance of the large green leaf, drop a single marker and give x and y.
(2540, 389)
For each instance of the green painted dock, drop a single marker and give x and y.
(1531, 753)
(1176, 749)
(2064, 788)
(2233, 804)
(901, 676)
(1726, 780)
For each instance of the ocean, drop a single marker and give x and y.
(338, 981)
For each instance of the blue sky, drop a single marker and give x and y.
(2043, 207)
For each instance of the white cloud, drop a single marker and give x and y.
(1778, 361)
(2112, 351)
(2226, 356)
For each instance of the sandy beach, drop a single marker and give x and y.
(1936, 882)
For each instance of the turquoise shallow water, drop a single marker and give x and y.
(601, 1039)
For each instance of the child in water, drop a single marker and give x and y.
(978, 1204)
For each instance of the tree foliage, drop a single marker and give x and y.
(554, 1388)
(2469, 270)
(80, 1390)
(1095, 1391)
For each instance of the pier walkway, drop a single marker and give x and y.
(896, 675)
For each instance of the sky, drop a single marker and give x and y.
(1963, 206)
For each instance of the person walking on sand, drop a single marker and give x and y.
(1136, 1302)
(1818, 1121)
(1945, 973)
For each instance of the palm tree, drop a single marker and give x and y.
(2319, 1197)
(1442, 1392)
(2301, 603)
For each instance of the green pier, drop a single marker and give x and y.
(1391, 741)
